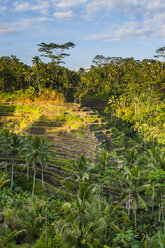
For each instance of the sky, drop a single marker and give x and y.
(113, 28)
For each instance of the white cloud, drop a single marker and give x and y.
(142, 18)
(96, 5)
(148, 28)
(22, 6)
(155, 5)
(125, 5)
(3, 8)
(90, 6)
(4, 1)
(64, 14)
(116, 33)
(108, 5)
(23, 24)
(69, 3)
(39, 6)
(28, 23)
(6, 30)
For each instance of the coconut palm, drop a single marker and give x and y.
(37, 152)
(3, 180)
(156, 163)
(157, 240)
(157, 179)
(7, 236)
(12, 145)
(135, 184)
(4, 146)
(130, 158)
(36, 63)
(88, 217)
(103, 158)
(80, 168)
(156, 158)
(85, 219)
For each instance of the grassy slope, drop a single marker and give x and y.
(70, 128)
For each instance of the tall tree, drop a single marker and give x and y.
(37, 152)
(36, 62)
(134, 186)
(13, 144)
(55, 51)
(160, 54)
(99, 60)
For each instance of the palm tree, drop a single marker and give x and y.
(7, 236)
(37, 152)
(156, 158)
(36, 62)
(3, 180)
(160, 54)
(103, 158)
(131, 157)
(3, 148)
(157, 240)
(156, 165)
(157, 179)
(12, 144)
(89, 217)
(85, 220)
(134, 181)
(80, 168)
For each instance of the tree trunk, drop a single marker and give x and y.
(43, 186)
(138, 110)
(28, 173)
(129, 205)
(162, 66)
(160, 207)
(111, 116)
(153, 198)
(12, 174)
(135, 218)
(135, 108)
(34, 181)
(38, 81)
(46, 217)
(6, 167)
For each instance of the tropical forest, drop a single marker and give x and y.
(82, 155)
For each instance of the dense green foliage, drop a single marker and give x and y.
(135, 89)
(115, 202)
(15, 76)
(118, 201)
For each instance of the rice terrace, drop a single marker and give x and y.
(82, 124)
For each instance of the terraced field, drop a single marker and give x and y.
(73, 130)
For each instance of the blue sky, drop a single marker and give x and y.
(112, 28)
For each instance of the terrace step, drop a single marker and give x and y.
(72, 129)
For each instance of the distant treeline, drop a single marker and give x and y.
(14, 75)
(110, 76)
(135, 88)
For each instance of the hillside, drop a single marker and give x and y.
(111, 146)
(71, 129)
(101, 184)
